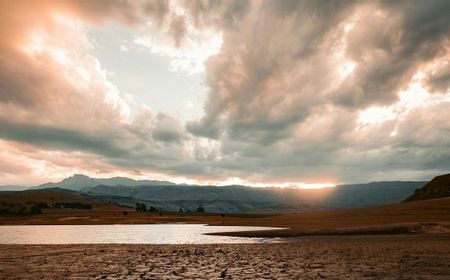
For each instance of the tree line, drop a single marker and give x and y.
(142, 208)
(35, 207)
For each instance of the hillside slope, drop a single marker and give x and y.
(45, 195)
(438, 187)
(433, 214)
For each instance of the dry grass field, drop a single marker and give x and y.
(396, 218)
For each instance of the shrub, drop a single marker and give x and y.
(72, 205)
(35, 210)
(42, 205)
(141, 207)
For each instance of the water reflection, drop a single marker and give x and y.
(124, 234)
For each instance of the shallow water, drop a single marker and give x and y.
(125, 234)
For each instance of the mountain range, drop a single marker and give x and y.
(79, 182)
(235, 198)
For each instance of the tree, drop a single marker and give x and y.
(72, 205)
(141, 207)
(200, 209)
(41, 205)
(34, 210)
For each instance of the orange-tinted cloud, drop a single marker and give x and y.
(285, 91)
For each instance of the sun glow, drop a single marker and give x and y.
(190, 56)
(226, 182)
(375, 115)
(346, 69)
(413, 97)
(295, 185)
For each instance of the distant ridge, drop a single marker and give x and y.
(49, 195)
(235, 198)
(13, 188)
(80, 182)
(438, 187)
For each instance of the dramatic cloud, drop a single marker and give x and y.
(292, 80)
(297, 91)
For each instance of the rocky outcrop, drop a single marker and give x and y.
(436, 188)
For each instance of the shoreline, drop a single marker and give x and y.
(289, 233)
(410, 229)
(421, 217)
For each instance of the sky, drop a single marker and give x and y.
(290, 93)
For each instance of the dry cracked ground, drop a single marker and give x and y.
(344, 257)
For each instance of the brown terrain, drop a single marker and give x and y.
(424, 215)
(400, 241)
(44, 195)
(337, 257)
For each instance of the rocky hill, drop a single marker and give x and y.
(438, 187)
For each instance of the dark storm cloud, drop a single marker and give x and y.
(389, 49)
(177, 29)
(284, 92)
(128, 11)
(276, 73)
(167, 129)
(119, 146)
(438, 81)
(224, 13)
(55, 138)
(266, 76)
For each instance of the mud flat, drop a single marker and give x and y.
(327, 257)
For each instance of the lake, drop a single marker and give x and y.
(125, 234)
